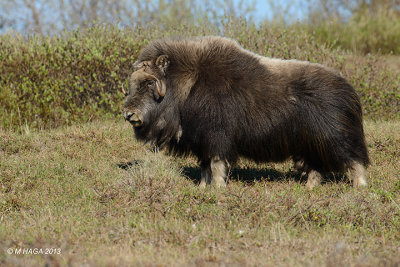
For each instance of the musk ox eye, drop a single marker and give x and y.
(147, 83)
(151, 83)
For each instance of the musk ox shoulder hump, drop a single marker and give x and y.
(274, 65)
(191, 50)
(198, 46)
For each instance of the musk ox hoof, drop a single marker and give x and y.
(314, 179)
(219, 184)
(202, 184)
(357, 174)
(360, 184)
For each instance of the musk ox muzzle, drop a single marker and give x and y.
(209, 97)
(135, 117)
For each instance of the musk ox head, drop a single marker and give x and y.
(149, 105)
(147, 88)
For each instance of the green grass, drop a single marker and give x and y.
(68, 188)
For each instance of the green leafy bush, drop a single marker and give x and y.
(51, 81)
(365, 32)
(77, 76)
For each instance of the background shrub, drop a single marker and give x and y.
(48, 81)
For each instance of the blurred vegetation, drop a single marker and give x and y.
(369, 29)
(56, 74)
(363, 26)
(48, 17)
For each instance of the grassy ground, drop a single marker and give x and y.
(100, 198)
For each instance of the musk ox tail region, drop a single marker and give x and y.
(209, 97)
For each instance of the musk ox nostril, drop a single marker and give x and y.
(135, 118)
(127, 115)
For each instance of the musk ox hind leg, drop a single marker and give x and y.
(357, 174)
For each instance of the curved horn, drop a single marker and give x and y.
(141, 74)
(161, 88)
(123, 90)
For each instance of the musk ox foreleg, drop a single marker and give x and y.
(214, 172)
(205, 175)
(218, 171)
(357, 174)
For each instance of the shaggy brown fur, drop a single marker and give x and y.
(222, 102)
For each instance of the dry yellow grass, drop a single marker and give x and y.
(72, 189)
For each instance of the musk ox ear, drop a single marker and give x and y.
(162, 63)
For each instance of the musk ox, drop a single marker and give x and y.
(210, 97)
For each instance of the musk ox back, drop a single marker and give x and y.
(210, 97)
